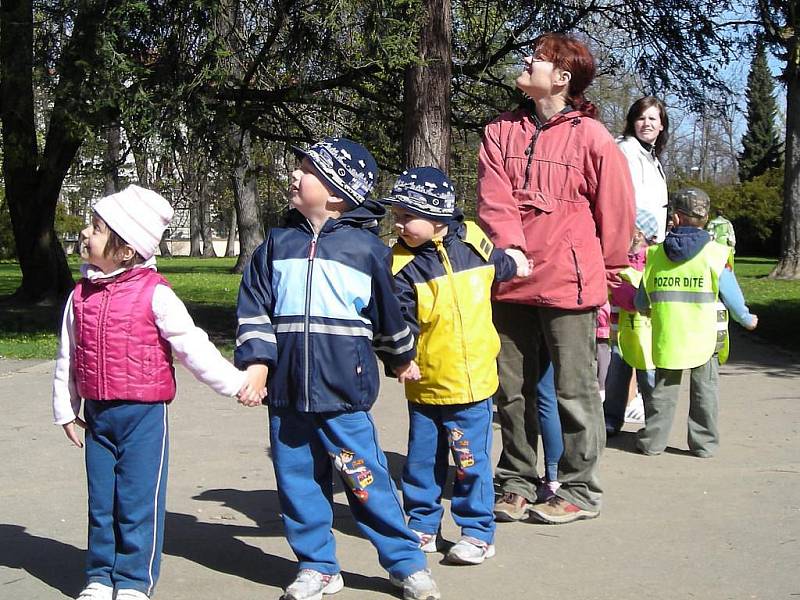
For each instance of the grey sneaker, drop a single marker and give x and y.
(511, 507)
(311, 585)
(428, 542)
(470, 551)
(96, 591)
(418, 586)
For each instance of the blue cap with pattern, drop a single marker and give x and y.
(647, 223)
(346, 166)
(425, 191)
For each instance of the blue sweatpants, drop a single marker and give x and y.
(306, 448)
(435, 432)
(127, 450)
(549, 422)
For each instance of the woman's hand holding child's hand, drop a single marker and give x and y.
(524, 264)
(72, 433)
(407, 372)
(254, 389)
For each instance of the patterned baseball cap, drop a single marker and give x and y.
(346, 166)
(647, 223)
(691, 201)
(424, 191)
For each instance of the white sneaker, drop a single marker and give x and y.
(470, 551)
(311, 585)
(428, 542)
(131, 595)
(96, 591)
(634, 413)
(418, 586)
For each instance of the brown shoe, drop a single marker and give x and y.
(558, 511)
(511, 507)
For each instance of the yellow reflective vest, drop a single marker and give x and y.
(446, 289)
(684, 299)
(632, 333)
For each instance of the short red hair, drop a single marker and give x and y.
(569, 54)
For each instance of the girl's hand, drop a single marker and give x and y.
(254, 389)
(72, 433)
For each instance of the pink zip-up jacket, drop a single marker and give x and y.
(562, 193)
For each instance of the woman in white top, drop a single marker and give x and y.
(646, 133)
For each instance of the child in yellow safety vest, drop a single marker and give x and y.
(630, 335)
(684, 279)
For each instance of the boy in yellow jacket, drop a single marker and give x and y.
(444, 270)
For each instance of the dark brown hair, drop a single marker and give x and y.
(636, 110)
(569, 54)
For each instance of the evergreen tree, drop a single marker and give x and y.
(761, 146)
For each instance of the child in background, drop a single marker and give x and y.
(684, 278)
(603, 333)
(122, 324)
(316, 302)
(631, 336)
(444, 270)
(550, 430)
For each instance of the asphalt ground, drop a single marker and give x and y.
(673, 526)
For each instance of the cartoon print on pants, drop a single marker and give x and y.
(462, 455)
(354, 474)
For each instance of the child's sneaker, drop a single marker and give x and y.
(470, 551)
(418, 586)
(428, 542)
(634, 413)
(546, 490)
(311, 585)
(96, 591)
(558, 511)
(131, 595)
(511, 507)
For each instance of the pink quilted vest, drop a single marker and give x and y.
(119, 352)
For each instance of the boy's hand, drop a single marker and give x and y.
(753, 323)
(407, 372)
(524, 264)
(254, 389)
(72, 433)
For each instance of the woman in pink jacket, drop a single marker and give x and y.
(552, 182)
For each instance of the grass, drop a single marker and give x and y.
(209, 289)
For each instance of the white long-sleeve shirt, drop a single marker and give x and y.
(649, 182)
(190, 345)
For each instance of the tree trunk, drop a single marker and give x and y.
(426, 139)
(230, 247)
(33, 183)
(788, 266)
(245, 196)
(111, 180)
(195, 228)
(205, 219)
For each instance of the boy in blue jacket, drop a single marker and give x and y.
(315, 304)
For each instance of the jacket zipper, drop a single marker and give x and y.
(307, 320)
(448, 268)
(578, 274)
(530, 150)
(101, 354)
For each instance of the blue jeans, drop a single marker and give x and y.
(435, 432)
(306, 448)
(617, 386)
(127, 450)
(549, 422)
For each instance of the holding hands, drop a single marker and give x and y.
(524, 264)
(407, 372)
(254, 389)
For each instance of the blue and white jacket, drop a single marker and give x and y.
(315, 308)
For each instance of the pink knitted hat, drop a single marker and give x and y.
(138, 216)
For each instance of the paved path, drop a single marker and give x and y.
(674, 526)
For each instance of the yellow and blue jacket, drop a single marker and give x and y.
(444, 287)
